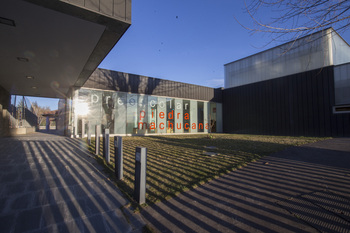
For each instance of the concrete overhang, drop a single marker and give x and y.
(49, 46)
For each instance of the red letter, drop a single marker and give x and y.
(194, 126)
(161, 115)
(142, 116)
(199, 126)
(160, 125)
(206, 125)
(178, 114)
(170, 125)
(187, 116)
(188, 126)
(152, 126)
(177, 125)
(142, 124)
(171, 114)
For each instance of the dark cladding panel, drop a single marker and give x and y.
(118, 81)
(299, 104)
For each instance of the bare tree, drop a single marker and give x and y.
(39, 111)
(297, 18)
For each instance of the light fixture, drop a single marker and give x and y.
(29, 77)
(33, 87)
(23, 59)
(9, 22)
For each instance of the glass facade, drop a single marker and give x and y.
(137, 114)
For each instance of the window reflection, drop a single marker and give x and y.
(134, 114)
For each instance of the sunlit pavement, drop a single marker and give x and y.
(48, 183)
(301, 189)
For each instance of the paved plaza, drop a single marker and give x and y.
(50, 183)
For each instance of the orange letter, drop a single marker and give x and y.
(188, 126)
(187, 116)
(199, 126)
(160, 125)
(161, 115)
(177, 125)
(142, 116)
(171, 114)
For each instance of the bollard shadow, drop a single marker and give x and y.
(56, 188)
(300, 189)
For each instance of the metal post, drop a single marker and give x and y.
(106, 146)
(140, 174)
(118, 157)
(82, 128)
(89, 135)
(97, 139)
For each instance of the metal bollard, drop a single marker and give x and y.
(89, 136)
(106, 149)
(118, 157)
(97, 139)
(140, 174)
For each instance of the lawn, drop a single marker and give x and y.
(177, 163)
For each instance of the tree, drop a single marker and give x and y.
(297, 18)
(39, 111)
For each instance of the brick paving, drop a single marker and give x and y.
(50, 183)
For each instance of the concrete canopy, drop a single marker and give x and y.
(49, 46)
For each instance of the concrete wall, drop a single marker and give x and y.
(4, 113)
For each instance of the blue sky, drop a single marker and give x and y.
(185, 41)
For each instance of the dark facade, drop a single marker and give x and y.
(131, 83)
(299, 104)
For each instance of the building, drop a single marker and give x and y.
(299, 88)
(52, 48)
(129, 104)
(49, 46)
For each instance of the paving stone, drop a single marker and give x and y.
(9, 177)
(54, 190)
(6, 223)
(14, 189)
(116, 222)
(22, 202)
(28, 220)
(94, 224)
(53, 214)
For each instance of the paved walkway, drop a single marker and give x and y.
(302, 189)
(48, 184)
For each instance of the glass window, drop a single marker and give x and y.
(193, 116)
(187, 116)
(178, 116)
(131, 114)
(212, 118)
(170, 103)
(142, 117)
(120, 112)
(152, 114)
(162, 115)
(200, 117)
(107, 111)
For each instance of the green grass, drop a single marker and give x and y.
(176, 163)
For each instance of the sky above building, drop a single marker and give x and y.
(188, 41)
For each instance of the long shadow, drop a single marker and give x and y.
(266, 198)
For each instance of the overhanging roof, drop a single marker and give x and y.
(56, 43)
